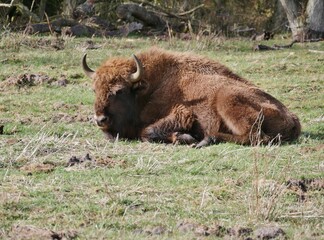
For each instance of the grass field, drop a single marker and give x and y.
(60, 178)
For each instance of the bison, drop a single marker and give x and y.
(163, 96)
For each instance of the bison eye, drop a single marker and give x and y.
(120, 91)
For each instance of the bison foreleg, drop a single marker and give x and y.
(171, 129)
(247, 139)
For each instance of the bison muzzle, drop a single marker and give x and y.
(161, 96)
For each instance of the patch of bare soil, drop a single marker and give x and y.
(317, 148)
(37, 168)
(158, 230)
(83, 113)
(70, 118)
(215, 230)
(33, 79)
(269, 232)
(89, 162)
(219, 231)
(65, 106)
(306, 184)
(26, 232)
(44, 43)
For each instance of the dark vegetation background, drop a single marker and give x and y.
(222, 17)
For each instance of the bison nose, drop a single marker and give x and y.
(101, 120)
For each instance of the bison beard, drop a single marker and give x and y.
(183, 98)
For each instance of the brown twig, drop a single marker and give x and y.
(261, 47)
(285, 46)
(48, 22)
(314, 40)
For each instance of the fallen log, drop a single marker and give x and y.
(80, 30)
(86, 28)
(55, 25)
(134, 12)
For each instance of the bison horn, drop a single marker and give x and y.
(136, 76)
(88, 71)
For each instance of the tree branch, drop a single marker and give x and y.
(167, 12)
(7, 4)
(316, 51)
(192, 10)
(261, 47)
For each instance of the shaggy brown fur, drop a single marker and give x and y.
(186, 98)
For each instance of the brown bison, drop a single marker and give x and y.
(162, 96)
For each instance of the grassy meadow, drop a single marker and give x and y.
(60, 177)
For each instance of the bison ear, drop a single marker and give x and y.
(140, 86)
(115, 89)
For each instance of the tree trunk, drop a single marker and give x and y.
(279, 18)
(305, 22)
(41, 10)
(315, 13)
(68, 7)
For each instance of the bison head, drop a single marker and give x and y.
(116, 111)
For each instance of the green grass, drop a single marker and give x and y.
(130, 189)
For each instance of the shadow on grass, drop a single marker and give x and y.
(314, 135)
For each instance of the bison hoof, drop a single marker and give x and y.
(205, 142)
(183, 138)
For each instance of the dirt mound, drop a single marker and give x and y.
(71, 118)
(269, 232)
(25, 232)
(213, 230)
(45, 43)
(89, 162)
(302, 187)
(238, 232)
(37, 168)
(158, 230)
(33, 79)
(306, 184)
(82, 113)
